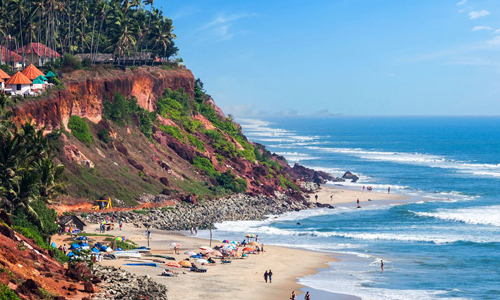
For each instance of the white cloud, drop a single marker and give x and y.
(220, 27)
(462, 2)
(496, 31)
(478, 14)
(185, 11)
(478, 28)
(495, 41)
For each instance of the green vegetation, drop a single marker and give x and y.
(228, 180)
(205, 165)
(29, 179)
(286, 183)
(7, 294)
(196, 142)
(80, 129)
(103, 135)
(123, 28)
(173, 131)
(125, 110)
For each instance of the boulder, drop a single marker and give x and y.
(350, 176)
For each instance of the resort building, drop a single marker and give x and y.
(37, 54)
(32, 72)
(10, 58)
(3, 77)
(18, 84)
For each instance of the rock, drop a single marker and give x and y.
(29, 287)
(72, 287)
(88, 287)
(73, 154)
(78, 271)
(350, 176)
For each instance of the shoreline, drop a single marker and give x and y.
(288, 262)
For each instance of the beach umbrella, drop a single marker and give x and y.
(202, 261)
(225, 241)
(196, 256)
(42, 78)
(185, 263)
(250, 235)
(229, 247)
(253, 244)
(206, 249)
(190, 253)
(248, 249)
(175, 244)
(216, 253)
(50, 74)
(120, 239)
(173, 264)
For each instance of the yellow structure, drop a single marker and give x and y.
(102, 204)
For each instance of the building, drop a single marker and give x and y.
(3, 77)
(10, 58)
(32, 72)
(18, 84)
(71, 221)
(37, 54)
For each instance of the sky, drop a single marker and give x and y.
(352, 57)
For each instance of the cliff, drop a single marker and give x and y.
(187, 150)
(85, 90)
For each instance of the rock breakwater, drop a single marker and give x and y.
(185, 216)
(120, 284)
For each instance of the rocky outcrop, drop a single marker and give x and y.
(183, 217)
(120, 284)
(85, 90)
(299, 172)
(350, 176)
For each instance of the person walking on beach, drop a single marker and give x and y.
(358, 201)
(266, 275)
(270, 276)
(331, 197)
(316, 196)
(363, 188)
(121, 224)
(388, 190)
(293, 296)
(381, 265)
(195, 230)
(307, 296)
(192, 230)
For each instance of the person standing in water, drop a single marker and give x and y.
(293, 296)
(381, 265)
(266, 275)
(357, 201)
(388, 190)
(307, 296)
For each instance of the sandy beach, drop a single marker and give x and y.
(339, 195)
(242, 279)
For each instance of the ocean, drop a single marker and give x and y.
(448, 248)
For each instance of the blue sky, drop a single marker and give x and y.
(355, 57)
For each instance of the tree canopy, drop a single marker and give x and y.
(124, 28)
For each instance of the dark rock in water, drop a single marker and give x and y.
(323, 205)
(350, 176)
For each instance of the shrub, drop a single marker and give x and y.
(173, 131)
(196, 142)
(103, 135)
(205, 165)
(7, 294)
(80, 129)
(229, 181)
(69, 62)
(116, 111)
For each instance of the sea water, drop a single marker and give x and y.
(447, 248)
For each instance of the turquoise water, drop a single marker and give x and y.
(448, 248)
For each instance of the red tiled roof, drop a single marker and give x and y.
(32, 72)
(38, 49)
(12, 55)
(4, 75)
(18, 78)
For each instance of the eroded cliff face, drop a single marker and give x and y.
(84, 93)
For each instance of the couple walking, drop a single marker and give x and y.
(268, 275)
